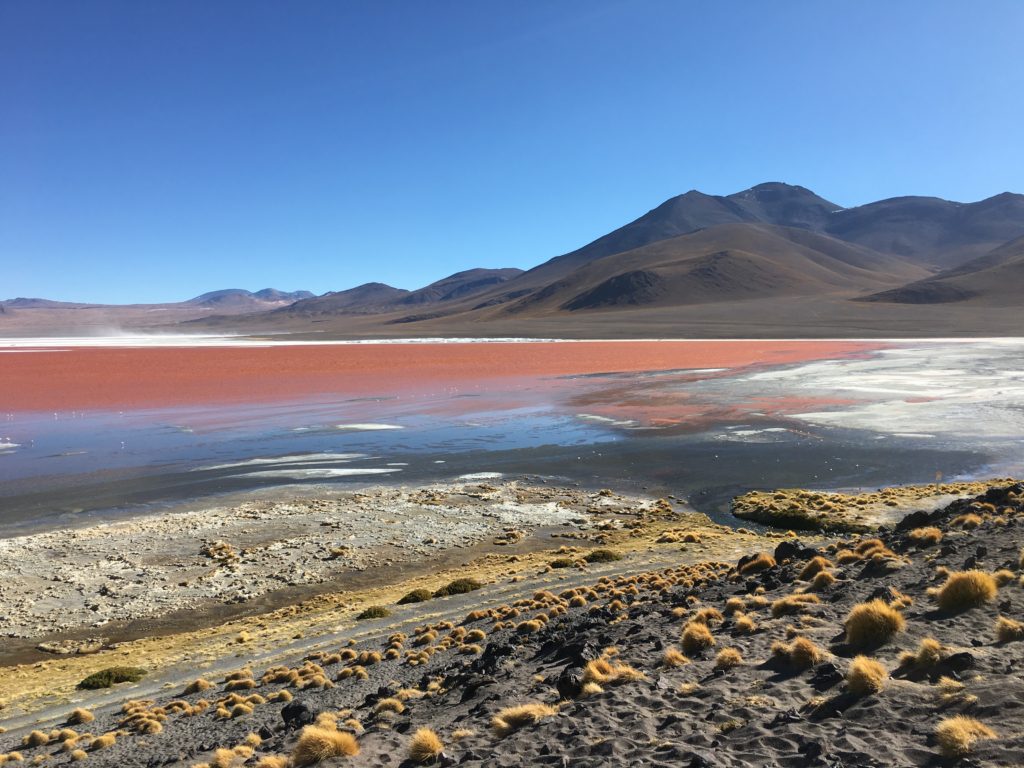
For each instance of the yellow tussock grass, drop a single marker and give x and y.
(929, 653)
(426, 746)
(728, 658)
(964, 590)
(800, 654)
(791, 604)
(871, 624)
(760, 563)
(957, 735)
(925, 537)
(81, 716)
(513, 718)
(866, 677)
(813, 567)
(317, 744)
(1008, 630)
(674, 658)
(697, 638)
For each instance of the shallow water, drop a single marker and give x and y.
(898, 412)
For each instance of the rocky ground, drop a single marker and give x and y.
(758, 660)
(155, 565)
(857, 511)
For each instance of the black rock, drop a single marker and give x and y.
(570, 682)
(793, 549)
(826, 676)
(296, 714)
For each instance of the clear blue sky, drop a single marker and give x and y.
(151, 151)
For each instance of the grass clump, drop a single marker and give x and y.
(760, 563)
(458, 587)
(674, 658)
(1008, 630)
(728, 658)
(813, 567)
(822, 580)
(425, 747)
(316, 744)
(605, 672)
(957, 735)
(561, 562)
(512, 719)
(81, 716)
(602, 556)
(929, 653)
(925, 537)
(800, 654)
(795, 603)
(102, 742)
(35, 739)
(866, 677)
(697, 638)
(964, 590)
(374, 612)
(871, 624)
(389, 705)
(416, 596)
(111, 676)
(198, 686)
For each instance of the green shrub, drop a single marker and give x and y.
(458, 587)
(416, 596)
(561, 562)
(602, 556)
(374, 612)
(105, 678)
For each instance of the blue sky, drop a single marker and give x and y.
(151, 151)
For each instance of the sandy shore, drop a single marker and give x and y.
(775, 670)
(90, 577)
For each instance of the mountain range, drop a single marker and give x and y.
(775, 258)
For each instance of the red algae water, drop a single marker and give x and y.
(94, 430)
(124, 378)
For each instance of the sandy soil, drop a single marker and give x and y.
(761, 709)
(151, 566)
(858, 511)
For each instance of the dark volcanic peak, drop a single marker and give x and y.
(26, 303)
(995, 278)
(363, 299)
(240, 296)
(932, 231)
(460, 285)
(768, 203)
(732, 262)
(787, 205)
(272, 294)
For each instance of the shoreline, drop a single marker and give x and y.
(638, 527)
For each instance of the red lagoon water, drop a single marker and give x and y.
(155, 377)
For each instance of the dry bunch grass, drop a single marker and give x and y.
(957, 735)
(871, 624)
(425, 747)
(866, 676)
(513, 718)
(964, 590)
(316, 744)
(800, 654)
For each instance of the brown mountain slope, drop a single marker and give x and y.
(732, 262)
(932, 231)
(995, 279)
